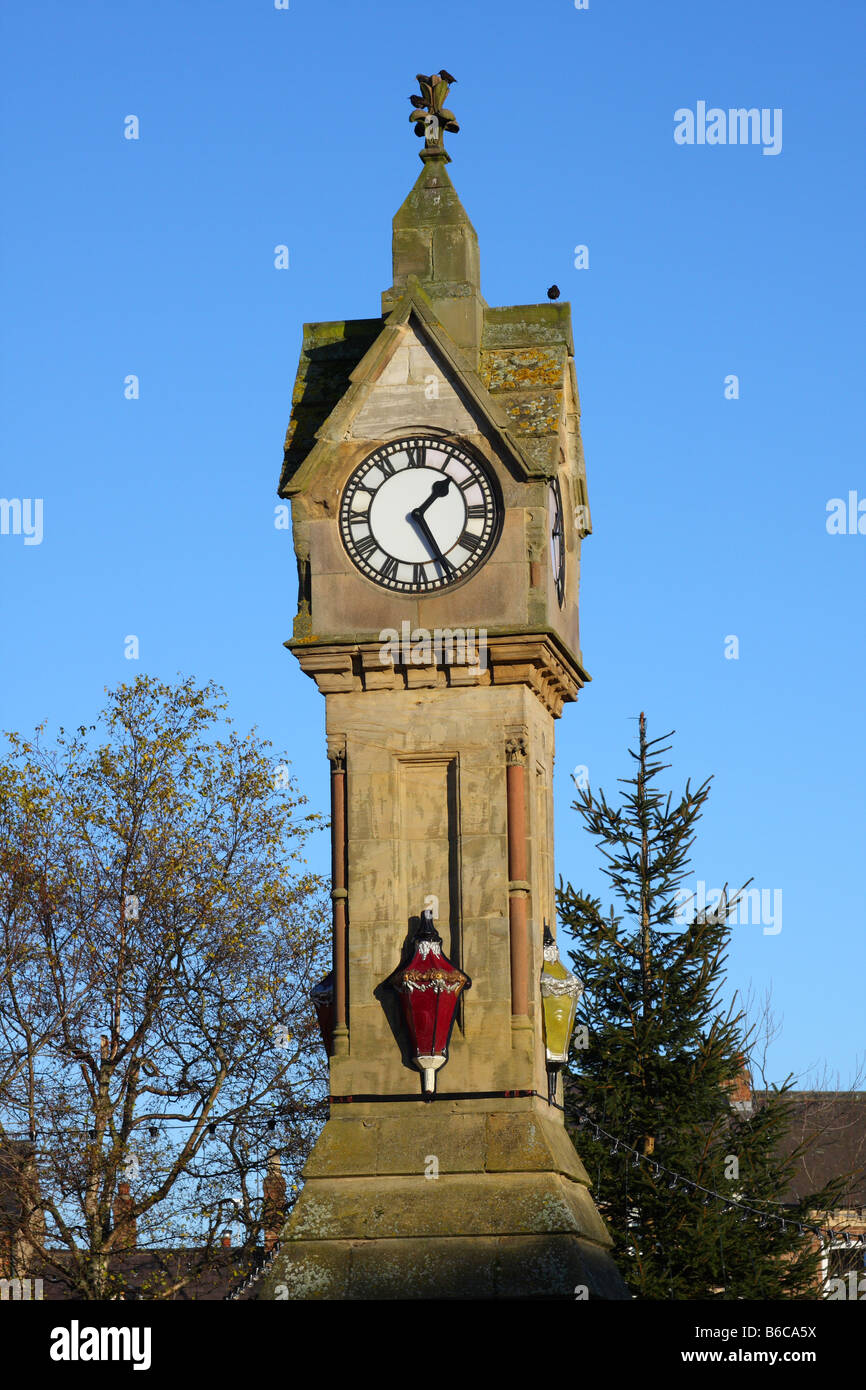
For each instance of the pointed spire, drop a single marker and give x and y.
(434, 244)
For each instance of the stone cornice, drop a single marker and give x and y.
(536, 660)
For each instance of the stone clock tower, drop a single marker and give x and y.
(435, 469)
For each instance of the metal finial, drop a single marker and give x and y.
(427, 931)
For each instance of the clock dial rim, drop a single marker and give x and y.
(557, 514)
(434, 578)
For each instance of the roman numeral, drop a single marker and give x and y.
(417, 454)
(418, 575)
(478, 512)
(469, 542)
(389, 569)
(386, 467)
(366, 546)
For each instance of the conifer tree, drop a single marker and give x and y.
(661, 1056)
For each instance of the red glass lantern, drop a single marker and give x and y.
(429, 988)
(322, 996)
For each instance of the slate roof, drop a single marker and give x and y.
(838, 1118)
(140, 1269)
(329, 353)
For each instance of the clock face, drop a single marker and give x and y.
(557, 538)
(419, 515)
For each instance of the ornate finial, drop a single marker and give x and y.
(430, 117)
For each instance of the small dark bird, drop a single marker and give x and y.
(553, 292)
(417, 101)
(446, 76)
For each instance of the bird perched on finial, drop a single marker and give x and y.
(553, 292)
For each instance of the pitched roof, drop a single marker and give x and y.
(837, 1122)
(515, 362)
(526, 352)
(143, 1270)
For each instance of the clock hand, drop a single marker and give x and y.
(418, 517)
(440, 487)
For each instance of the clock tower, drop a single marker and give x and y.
(435, 470)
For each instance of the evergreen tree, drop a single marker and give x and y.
(658, 1066)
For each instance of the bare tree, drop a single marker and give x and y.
(160, 933)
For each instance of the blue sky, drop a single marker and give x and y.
(259, 127)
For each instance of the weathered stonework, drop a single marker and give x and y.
(507, 1213)
(445, 771)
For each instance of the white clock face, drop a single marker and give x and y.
(419, 515)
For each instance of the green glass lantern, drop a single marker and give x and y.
(560, 991)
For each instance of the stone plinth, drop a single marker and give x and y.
(454, 1199)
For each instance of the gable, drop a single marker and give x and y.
(369, 379)
(413, 388)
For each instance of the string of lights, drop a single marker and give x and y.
(255, 1276)
(827, 1236)
(674, 1180)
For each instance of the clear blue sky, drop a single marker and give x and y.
(259, 126)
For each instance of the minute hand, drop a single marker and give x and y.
(420, 521)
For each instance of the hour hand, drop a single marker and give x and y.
(440, 487)
(420, 521)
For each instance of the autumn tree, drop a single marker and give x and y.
(160, 932)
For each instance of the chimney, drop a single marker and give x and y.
(273, 1201)
(226, 1241)
(22, 1221)
(124, 1218)
(740, 1089)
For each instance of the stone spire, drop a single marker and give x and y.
(435, 249)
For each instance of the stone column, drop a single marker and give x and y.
(518, 882)
(339, 892)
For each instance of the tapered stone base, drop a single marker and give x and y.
(441, 1201)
